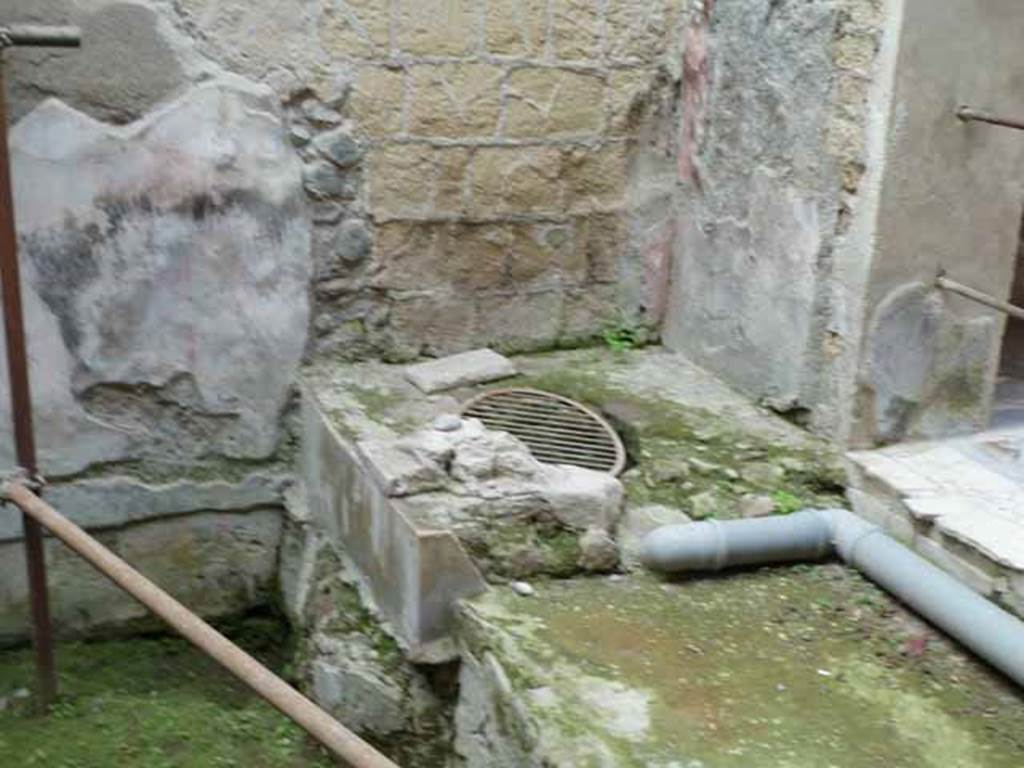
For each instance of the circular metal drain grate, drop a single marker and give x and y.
(557, 430)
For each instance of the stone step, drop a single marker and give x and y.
(958, 502)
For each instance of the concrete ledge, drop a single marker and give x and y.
(414, 575)
(113, 502)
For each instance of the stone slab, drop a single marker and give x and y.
(638, 672)
(959, 499)
(466, 369)
(218, 564)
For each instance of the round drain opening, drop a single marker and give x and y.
(557, 430)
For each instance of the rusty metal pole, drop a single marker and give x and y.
(316, 722)
(969, 115)
(17, 370)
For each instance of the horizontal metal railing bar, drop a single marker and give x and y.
(311, 718)
(35, 35)
(968, 114)
(979, 296)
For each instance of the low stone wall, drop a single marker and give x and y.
(218, 564)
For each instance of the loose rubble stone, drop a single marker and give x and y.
(300, 135)
(637, 522)
(398, 471)
(353, 242)
(321, 114)
(581, 498)
(705, 505)
(522, 588)
(323, 179)
(752, 505)
(668, 471)
(339, 147)
(514, 516)
(763, 473)
(598, 551)
(704, 467)
(466, 369)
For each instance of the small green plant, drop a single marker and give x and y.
(786, 503)
(623, 334)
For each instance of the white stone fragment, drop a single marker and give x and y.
(447, 422)
(582, 498)
(522, 589)
(465, 369)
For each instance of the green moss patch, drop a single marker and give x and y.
(153, 702)
(798, 667)
(679, 453)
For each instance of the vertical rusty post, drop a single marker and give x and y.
(21, 414)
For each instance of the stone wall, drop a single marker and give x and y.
(772, 125)
(164, 238)
(208, 190)
(824, 182)
(494, 195)
(476, 166)
(481, 171)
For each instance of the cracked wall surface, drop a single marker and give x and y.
(772, 121)
(164, 236)
(824, 182)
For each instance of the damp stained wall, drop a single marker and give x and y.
(824, 181)
(950, 198)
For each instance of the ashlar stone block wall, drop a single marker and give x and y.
(497, 145)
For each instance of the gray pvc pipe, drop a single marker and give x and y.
(992, 633)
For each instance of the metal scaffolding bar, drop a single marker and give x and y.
(317, 723)
(17, 361)
(968, 114)
(21, 415)
(982, 298)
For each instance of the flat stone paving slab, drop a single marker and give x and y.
(789, 667)
(972, 488)
(465, 369)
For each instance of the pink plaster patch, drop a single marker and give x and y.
(693, 92)
(657, 270)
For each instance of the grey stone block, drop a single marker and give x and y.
(465, 369)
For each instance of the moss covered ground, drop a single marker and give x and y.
(152, 701)
(788, 667)
(681, 453)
